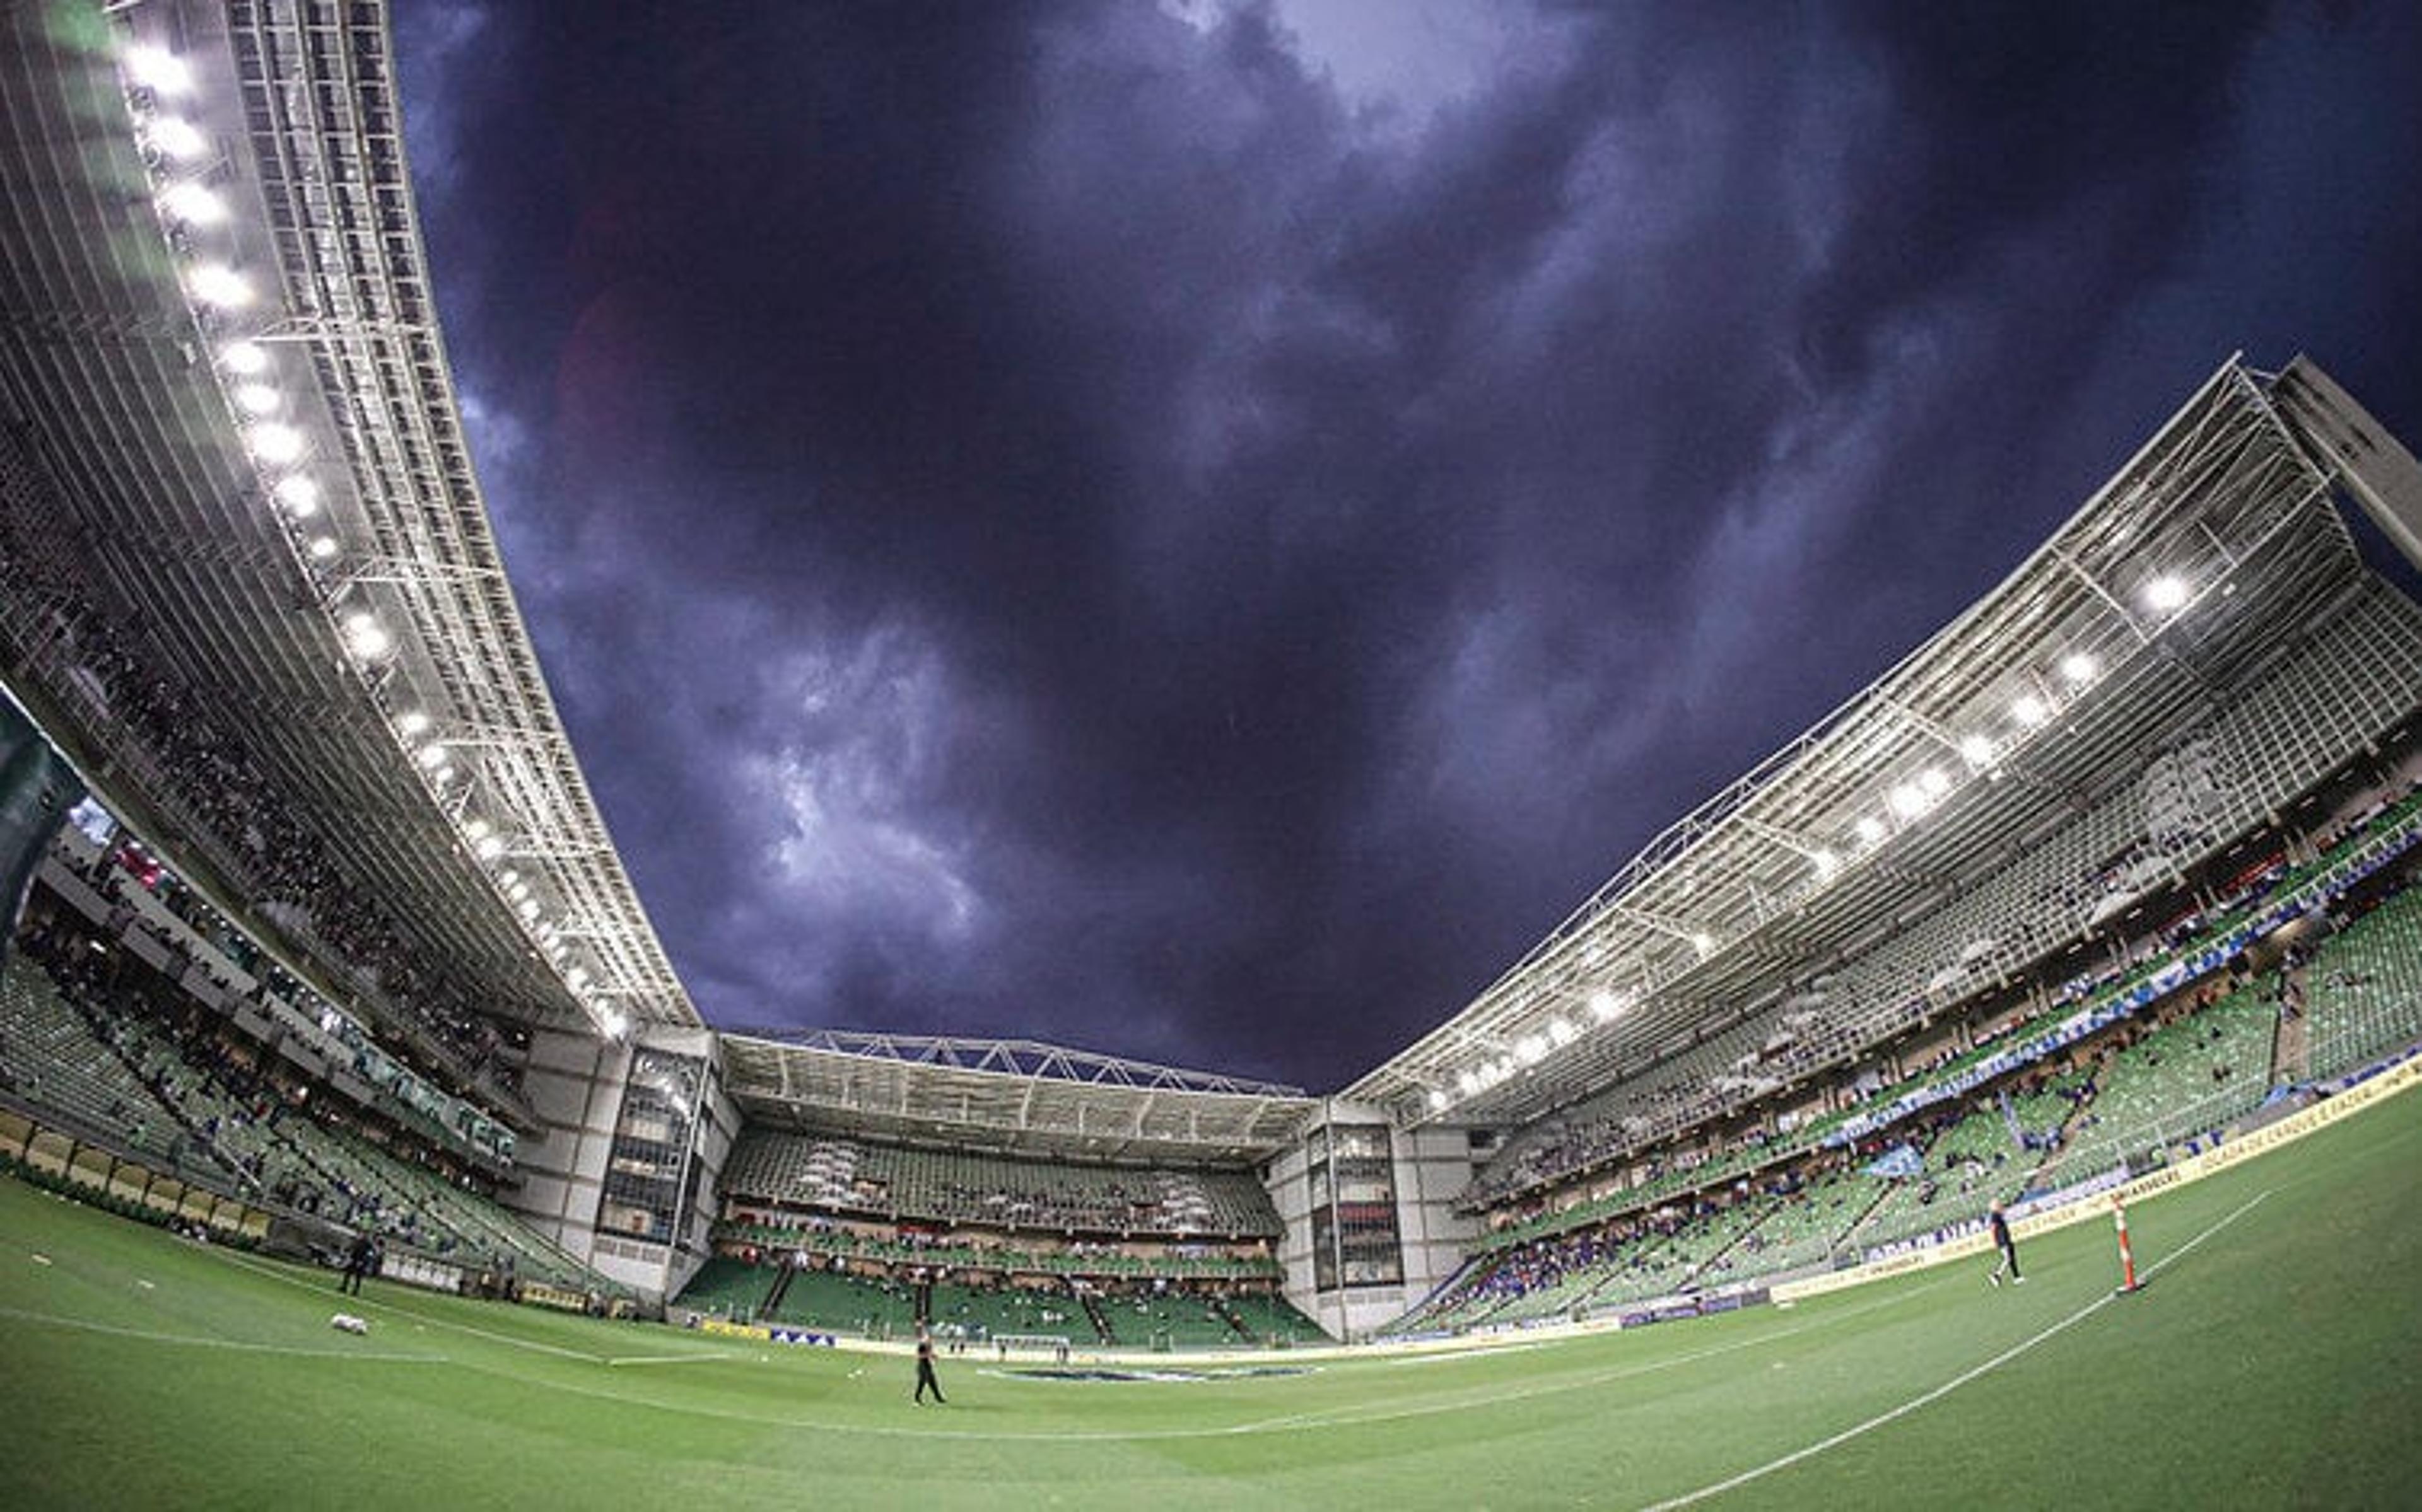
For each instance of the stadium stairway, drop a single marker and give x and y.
(773, 1301)
(2291, 1046)
(1101, 1320)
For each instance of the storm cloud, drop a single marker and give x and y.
(1200, 531)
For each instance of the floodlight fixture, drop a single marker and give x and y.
(275, 444)
(259, 400)
(2167, 593)
(411, 724)
(370, 641)
(176, 137)
(1976, 751)
(215, 283)
(299, 493)
(158, 69)
(1871, 830)
(322, 548)
(489, 847)
(1933, 783)
(2029, 710)
(193, 203)
(246, 358)
(431, 756)
(2078, 667)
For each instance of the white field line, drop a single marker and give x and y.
(1937, 1393)
(374, 1304)
(1460, 1402)
(200, 1341)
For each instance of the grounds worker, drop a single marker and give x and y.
(925, 1378)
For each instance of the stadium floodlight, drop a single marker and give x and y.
(431, 756)
(488, 847)
(1827, 863)
(1976, 751)
(275, 444)
(1469, 1082)
(576, 978)
(215, 283)
(193, 203)
(476, 828)
(1438, 1100)
(1704, 942)
(2078, 667)
(508, 876)
(158, 69)
(259, 400)
(517, 891)
(2167, 593)
(1908, 800)
(615, 1024)
(529, 907)
(411, 724)
(442, 776)
(1871, 830)
(369, 639)
(299, 493)
(1604, 1005)
(176, 137)
(246, 358)
(1933, 783)
(1532, 1049)
(2029, 710)
(322, 548)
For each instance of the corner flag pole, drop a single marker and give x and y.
(2128, 1281)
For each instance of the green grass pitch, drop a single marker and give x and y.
(2274, 1359)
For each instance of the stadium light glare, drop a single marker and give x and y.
(442, 776)
(158, 69)
(2078, 667)
(529, 907)
(246, 358)
(1827, 863)
(1933, 783)
(1871, 830)
(1908, 800)
(1560, 1032)
(275, 444)
(176, 138)
(300, 495)
(1604, 1005)
(518, 891)
(489, 847)
(196, 204)
(2167, 593)
(476, 827)
(1438, 1100)
(2029, 710)
(215, 283)
(1976, 751)
(615, 1024)
(411, 724)
(431, 756)
(367, 636)
(1469, 1082)
(322, 548)
(1704, 942)
(259, 400)
(1532, 1049)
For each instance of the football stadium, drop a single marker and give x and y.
(1995, 1093)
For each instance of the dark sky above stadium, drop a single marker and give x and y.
(1201, 530)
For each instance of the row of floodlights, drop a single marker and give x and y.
(281, 454)
(2164, 594)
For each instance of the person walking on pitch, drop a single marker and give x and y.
(925, 1376)
(2002, 1241)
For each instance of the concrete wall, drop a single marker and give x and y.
(574, 1081)
(1432, 1164)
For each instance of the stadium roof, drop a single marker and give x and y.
(215, 323)
(2205, 553)
(1007, 1094)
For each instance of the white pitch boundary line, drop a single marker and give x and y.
(1937, 1393)
(202, 1341)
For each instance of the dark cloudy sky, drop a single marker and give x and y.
(1202, 530)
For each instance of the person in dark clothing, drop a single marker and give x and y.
(361, 1257)
(925, 1378)
(2002, 1241)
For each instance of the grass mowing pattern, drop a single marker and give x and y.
(2276, 1364)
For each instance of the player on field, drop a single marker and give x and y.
(925, 1376)
(2002, 1241)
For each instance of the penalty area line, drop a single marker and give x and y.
(1928, 1398)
